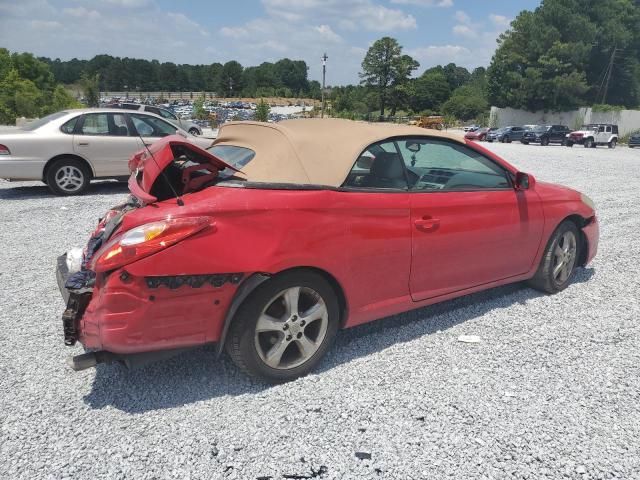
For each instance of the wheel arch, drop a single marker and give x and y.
(579, 222)
(255, 280)
(66, 155)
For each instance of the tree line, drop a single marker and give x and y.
(567, 54)
(29, 89)
(389, 87)
(285, 78)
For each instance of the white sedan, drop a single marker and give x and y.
(68, 149)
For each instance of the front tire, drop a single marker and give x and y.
(559, 260)
(68, 176)
(544, 142)
(588, 143)
(194, 131)
(285, 327)
(613, 143)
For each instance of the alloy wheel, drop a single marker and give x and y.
(291, 328)
(564, 257)
(69, 178)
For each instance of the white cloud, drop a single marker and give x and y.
(500, 20)
(328, 33)
(347, 13)
(465, 31)
(81, 12)
(440, 54)
(462, 17)
(425, 3)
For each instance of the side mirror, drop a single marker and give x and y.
(524, 181)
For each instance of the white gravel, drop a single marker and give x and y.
(552, 390)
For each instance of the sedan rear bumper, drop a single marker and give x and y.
(15, 168)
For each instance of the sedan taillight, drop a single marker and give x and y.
(4, 150)
(145, 240)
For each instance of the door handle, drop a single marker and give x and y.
(427, 224)
(83, 144)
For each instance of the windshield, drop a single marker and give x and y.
(43, 121)
(237, 157)
(541, 128)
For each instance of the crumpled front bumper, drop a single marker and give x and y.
(592, 234)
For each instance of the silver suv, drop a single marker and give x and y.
(186, 125)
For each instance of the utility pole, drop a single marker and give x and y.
(231, 86)
(324, 76)
(609, 72)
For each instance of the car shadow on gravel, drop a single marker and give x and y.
(196, 375)
(40, 191)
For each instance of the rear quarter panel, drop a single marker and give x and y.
(362, 240)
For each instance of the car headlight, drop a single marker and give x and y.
(587, 201)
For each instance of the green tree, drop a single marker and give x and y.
(231, 78)
(262, 111)
(384, 68)
(559, 56)
(430, 91)
(466, 103)
(91, 89)
(198, 109)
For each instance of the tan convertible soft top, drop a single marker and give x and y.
(310, 151)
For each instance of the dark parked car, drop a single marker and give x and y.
(506, 134)
(634, 140)
(546, 134)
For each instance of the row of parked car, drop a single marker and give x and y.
(589, 136)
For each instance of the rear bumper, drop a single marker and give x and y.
(15, 168)
(124, 314)
(592, 234)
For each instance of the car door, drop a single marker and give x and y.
(105, 140)
(469, 225)
(374, 204)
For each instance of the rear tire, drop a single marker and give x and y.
(613, 143)
(524, 142)
(284, 328)
(544, 142)
(559, 260)
(194, 131)
(68, 176)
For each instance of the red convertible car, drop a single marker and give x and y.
(281, 234)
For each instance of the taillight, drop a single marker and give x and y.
(4, 150)
(145, 240)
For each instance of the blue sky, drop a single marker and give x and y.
(253, 31)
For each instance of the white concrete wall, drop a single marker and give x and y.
(627, 120)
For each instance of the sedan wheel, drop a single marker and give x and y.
(559, 260)
(194, 131)
(67, 176)
(284, 328)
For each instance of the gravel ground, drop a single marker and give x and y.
(551, 391)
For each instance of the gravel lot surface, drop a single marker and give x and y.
(551, 391)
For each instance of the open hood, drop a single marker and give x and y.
(148, 164)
